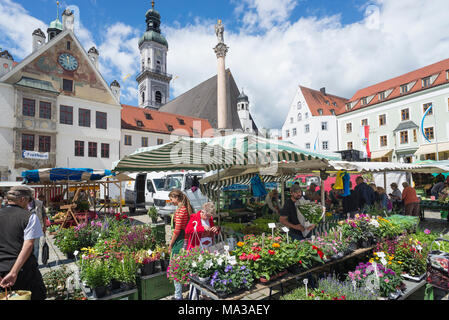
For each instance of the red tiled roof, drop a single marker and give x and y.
(395, 84)
(161, 121)
(317, 100)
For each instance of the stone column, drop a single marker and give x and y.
(222, 107)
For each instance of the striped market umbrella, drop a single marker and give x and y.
(231, 151)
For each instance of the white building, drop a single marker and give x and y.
(394, 111)
(311, 122)
(57, 110)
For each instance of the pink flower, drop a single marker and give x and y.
(386, 280)
(427, 231)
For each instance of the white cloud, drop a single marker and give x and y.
(17, 26)
(270, 55)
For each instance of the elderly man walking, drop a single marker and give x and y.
(18, 231)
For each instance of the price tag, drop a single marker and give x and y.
(380, 254)
(285, 229)
(272, 226)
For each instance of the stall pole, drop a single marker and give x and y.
(385, 180)
(323, 198)
(219, 196)
(283, 191)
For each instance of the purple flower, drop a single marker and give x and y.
(427, 231)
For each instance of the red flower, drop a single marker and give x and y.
(242, 256)
(343, 297)
(256, 257)
(271, 252)
(300, 262)
(124, 216)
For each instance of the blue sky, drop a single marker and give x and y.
(275, 45)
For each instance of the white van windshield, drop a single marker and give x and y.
(173, 182)
(159, 184)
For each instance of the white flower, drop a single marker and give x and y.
(220, 261)
(381, 254)
(232, 261)
(200, 258)
(194, 264)
(384, 262)
(374, 223)
(208, 264)
(75, 253)
(150, 252)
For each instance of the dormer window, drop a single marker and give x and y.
(426, 82)
(333, 111)
(181, 121)
(382, 96)
(364, 101)
(148, 116)
(327, 102)
(404, 89)
(170, 127)
(334, 104)
(139, 123)
(320, 112)
(348, 106)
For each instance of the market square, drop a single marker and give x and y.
(161, 152)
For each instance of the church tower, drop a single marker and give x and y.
(243, 111)
(153, 80)
(55, 26)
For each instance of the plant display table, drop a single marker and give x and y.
(154, 287)
(288, 277)
(434, 206)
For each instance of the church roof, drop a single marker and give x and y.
(161, 122)
(153, 36)
(201, 102)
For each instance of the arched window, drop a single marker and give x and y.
(299, 116)
(143, 65)
(158, 97)
(299, 105)
(143, 97)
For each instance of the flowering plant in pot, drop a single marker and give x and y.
(146, 260)
(377, 278)
(94, 271)
(123, 268)
(180, 266)
(232, 279)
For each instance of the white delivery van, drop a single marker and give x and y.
(140, 193)
(182, 181)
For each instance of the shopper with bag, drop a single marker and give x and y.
(200, 232)
(179, 223)
(37, 207)
(18, 231)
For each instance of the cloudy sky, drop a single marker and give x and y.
(275, 45)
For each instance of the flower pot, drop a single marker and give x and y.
(126, 286)
(70, 256)
(147, 269)
(99, 292)
(164, 264)
(115, 285)
(353, 246)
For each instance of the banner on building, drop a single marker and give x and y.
(364, 135)
(35, 155)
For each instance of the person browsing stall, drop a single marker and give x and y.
(200, 229)
(179, 223)
(289, 215)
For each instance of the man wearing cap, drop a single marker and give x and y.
(289, 215)
(18, 231)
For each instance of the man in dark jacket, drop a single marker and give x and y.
(364, 195)
(18, 231)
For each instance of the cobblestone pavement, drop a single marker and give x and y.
(432, 222)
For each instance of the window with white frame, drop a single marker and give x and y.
(294, 131)
(307, 128)
(325, 145)
(307, 145)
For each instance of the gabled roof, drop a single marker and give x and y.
(321, 100)
(160, 122)
(201, 102)
(392, 87)
(14, 75)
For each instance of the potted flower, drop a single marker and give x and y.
(153, 214)
(96, 274)
(124, 270)
(231, 279)
(146, 260)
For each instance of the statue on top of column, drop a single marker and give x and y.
(219, 31)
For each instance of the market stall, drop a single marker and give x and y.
(57, 184)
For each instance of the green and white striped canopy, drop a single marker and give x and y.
(236, 150)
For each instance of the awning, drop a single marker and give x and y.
(380, 154)
(431, 148)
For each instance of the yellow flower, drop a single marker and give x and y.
(399, 262)
(240, 244)
(375, 253)
(389, 262)
(371, 260)
(276, 245)
(377, 258)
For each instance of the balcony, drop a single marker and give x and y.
(154, 71)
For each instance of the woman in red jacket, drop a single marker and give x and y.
(200, 229)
